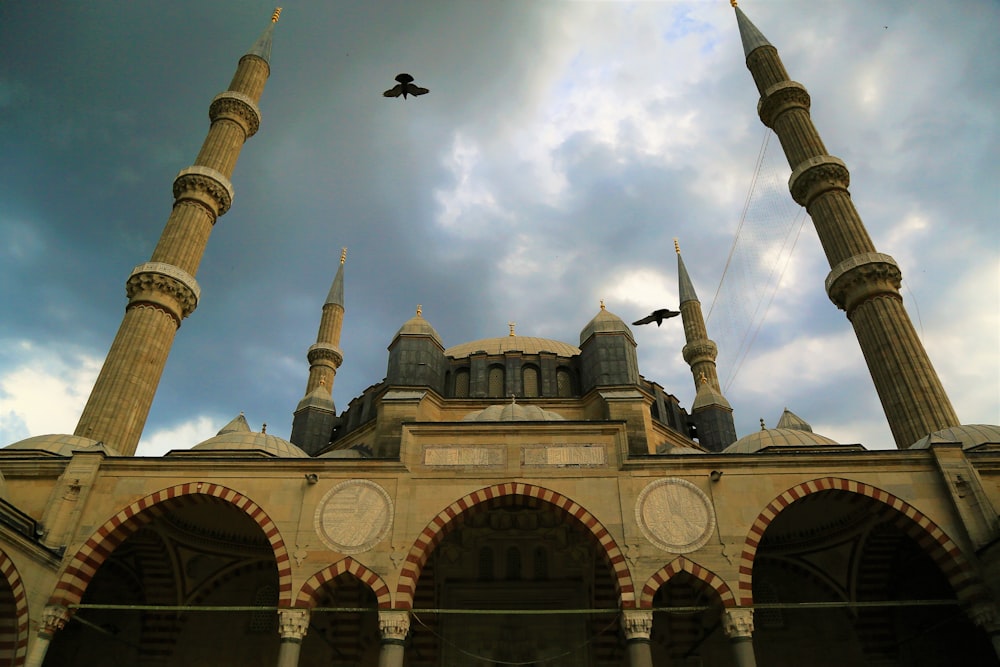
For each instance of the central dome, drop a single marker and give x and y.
(501, 344)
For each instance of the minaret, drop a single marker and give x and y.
(699, 352)
(863, 282)
(163, 291)
(710, 411)
(315, 415)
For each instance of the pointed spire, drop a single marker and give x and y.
(336, 295)
(752, 38)
(684, 285)
(792, 421)
(262, 47)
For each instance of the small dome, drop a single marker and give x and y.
(501, 344)
(239, 440)
(777, 438)
(970, 435)
(667, 448)
(62, 445)
(418, 326)
(604, 322)
(513, 412)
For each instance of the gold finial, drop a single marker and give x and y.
(602, 305)
(420, 310)
(677, 246)
(732, 2)
(322, 382)
(762, 427)
(343, 255)
(512, 325)
(263, 428)
(276, 14)
(702, 378)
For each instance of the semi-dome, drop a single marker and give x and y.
(604, 322)
(501, 344)
(62, 445)
(970, 435)
(513, 412)
(777, 438)
(418, 326)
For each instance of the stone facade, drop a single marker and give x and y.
(506, 501)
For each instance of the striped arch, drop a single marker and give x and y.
(682, 564)
(452, 516)
(13, 638)
(308, 593)
(928, 535)
(81, 568)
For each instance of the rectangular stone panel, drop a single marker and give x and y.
(464, 456)
(564, 455)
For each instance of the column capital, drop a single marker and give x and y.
(394, 624)
(54, 618)
(637, 623)
(293, 623)
(737, 623)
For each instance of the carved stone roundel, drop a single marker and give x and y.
(354, 516)
(675, 515)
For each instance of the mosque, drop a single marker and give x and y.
(507, 501)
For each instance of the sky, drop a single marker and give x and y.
(562, 148)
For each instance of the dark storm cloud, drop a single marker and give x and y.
(562, 147)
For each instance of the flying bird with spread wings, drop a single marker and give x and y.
(405, 87)
(658, 316)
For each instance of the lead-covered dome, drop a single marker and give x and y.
(501, 344)
(61, 445)
(237, 438)
(418, 326)
(513, 412)
(604, 322)
(970, 435)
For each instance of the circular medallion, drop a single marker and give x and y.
(354, 516)
(675, 515)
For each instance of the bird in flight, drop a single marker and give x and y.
(405, 87)
(658, 316)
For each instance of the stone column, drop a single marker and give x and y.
(637, 624)
(393, 625)
(985, 615)
(292, 626)
(54, 618)
(738, 626)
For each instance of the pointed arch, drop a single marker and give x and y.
(307, 594)
(682, 564)
(80, 570)
(13, 638)
(928, 535)
(452, 516)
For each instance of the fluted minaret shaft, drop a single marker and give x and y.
(863, 282)
(325, 356)
(699, 351)
(163, 291)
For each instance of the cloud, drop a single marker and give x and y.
(182, 435)
(42, 389)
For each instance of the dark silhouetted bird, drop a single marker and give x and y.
(658, 316)
(405, 87)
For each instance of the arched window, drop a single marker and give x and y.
(496, 382)
(564, 383)
(486, 564)
(513, 564)
(541, 564)
(529, 380)
(462, 383)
